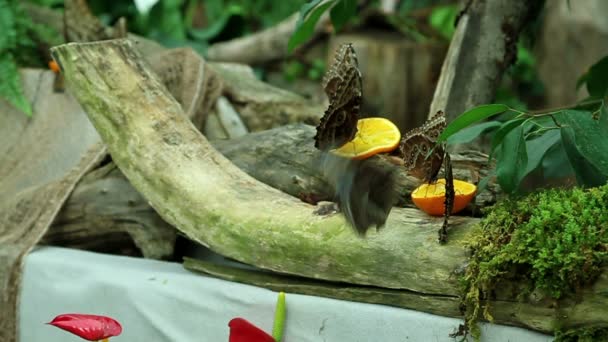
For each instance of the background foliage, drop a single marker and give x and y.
(553, 144)
(561, 142)
(20, 41)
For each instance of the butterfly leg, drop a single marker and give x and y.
(326, 208)
(449, 199)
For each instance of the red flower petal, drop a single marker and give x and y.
(89, 327)
(243, 331)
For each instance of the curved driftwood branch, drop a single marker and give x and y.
(215, 203)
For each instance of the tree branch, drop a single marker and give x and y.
(482, 48)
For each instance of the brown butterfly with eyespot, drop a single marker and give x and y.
(343, 85)
(365, 192)
(416, 145)
(423, 158)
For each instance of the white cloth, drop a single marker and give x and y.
(161, 301)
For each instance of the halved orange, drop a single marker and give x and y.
(374, 135)
(430, 197)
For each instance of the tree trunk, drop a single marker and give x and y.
(483, 47)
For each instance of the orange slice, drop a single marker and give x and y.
(430, 197)
(374, 135)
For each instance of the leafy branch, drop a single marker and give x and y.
(571, 138)
(340, 12)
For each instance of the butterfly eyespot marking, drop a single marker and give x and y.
(421, 140)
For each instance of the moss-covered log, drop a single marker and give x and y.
(215, 203)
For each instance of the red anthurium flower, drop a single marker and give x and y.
(243, 331)
(88, 327)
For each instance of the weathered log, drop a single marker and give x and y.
(229, 122)
(542, 316)
(286, 159)
(173, 166)
(263, 46)
(191, 81)
(105, 213)
(436, 304)
(261, 105)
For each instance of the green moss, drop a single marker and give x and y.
(582, 335)
(553, 242)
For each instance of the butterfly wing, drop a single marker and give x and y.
(343, 86)
(416, 146)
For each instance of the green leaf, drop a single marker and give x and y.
(168, 22)
(306, 27)
(505, 129)
(470, 117)
(8, 38)
(470, 133)
(590, 136)
(483, 183)
(342, 12)
(442, 19)
(512, 164)
(586, 173)
(538, 147)
(555, 164)
(597, 79)
(10, 87)
(305, 10)
(218, 25)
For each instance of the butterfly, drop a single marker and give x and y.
(416, 145)
(423, 158)
(365, 192)
(343, 85)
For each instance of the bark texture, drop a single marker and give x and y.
(482, 48)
